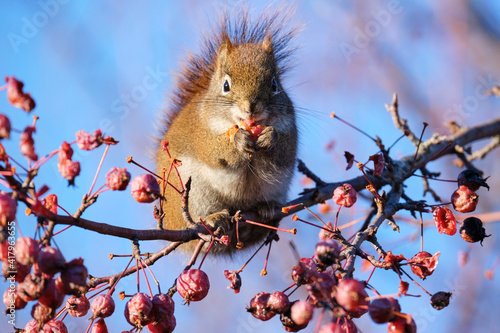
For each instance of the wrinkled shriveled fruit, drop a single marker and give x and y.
(32, 287)
(99, 327)
(382, 310)
(444, 220)
(27, 144)
(259, 307)
(400, 325)
(235, 279)
(345, 196)
(472, 179)
(322, 288)
(440, 300)
(4, 127)
(193, 285)
(423, 263)
(278, 302)
(145, 188)
(102, 306)
(73, 278)
(11, 301)
(304, 272)
(167, 325)
(87, 141)
(472, 230)
(17, 97)
(301, 312)
(8, 209)
(327, 252)
(464, 200)
(138, 310)
(50, 261)
(27, 250)
(77, 306)
(52, 297)
(331, 327)
(54, 326)
(163, 308)
(351, 295)
(117, 179)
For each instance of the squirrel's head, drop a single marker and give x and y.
(246, 85)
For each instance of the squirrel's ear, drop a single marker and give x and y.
(226, 47)
(267, 44)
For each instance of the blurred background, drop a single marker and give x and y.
(110, 64)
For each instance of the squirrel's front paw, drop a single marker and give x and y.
(243, 142)
(267, 139)
(220, 222)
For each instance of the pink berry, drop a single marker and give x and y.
(259, 307)
(145, 188)
(32, 287)
(423, 263)
(322, 288)
(163, 308)
(4, 127)
(331, 327)
(27, 144)
(278, 302)
(67, 168)
(73, 278)
(445, 221)
(12, 301)
(345, 195)
(138, 310)
(304, 272)
(351, 295)
(400, 325)
(102, 306)
(8, 209)
(21, 270)
(193, 285)
(50, 202)
(17, 97)
(87, 141)
(27, 250)
(235, 279)
(31, 326)
(50, 261)
(52, 297)
(117, 179)
(42, 313)
(327, 252)
(323, 234)
(382, 310)
(99, 327)
(54, 326)
(167, 325)
(464, 200)
(301, 312)
(77, 306)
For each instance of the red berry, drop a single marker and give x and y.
(12, 301)
(259, 307)
(54, 326)
(32, 287)
(331, 327)
(345, 195)
(440, 300)
(327, 252)
(163, 308)
(323, 234)
(304, 272)
(138, 310)
(278, 302)
(301, 312)
(472, 230)
(445, 221)
(8, 209)
(117, 179)
(50, 202)
(235, 279)
(165, 326)
(67, 168)
(27, 144)
(145, 188)
(16, 95)
(21, 270)
(77, 306)
(4, 127)
(348, 326)
(193, 285)
(400, 325)
(73, 278)
(42, 313)
(99, 327)
(27, 250)
(52, 297)
(464, 200)
(381, 309)
(87, 141)
(322, 288)
(423, 263)
(351, 295)
(50, 261)
(102, 306)
(473, 179)
(31, 326)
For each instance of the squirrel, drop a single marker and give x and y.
(235, 79)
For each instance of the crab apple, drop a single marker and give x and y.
(138, 310)
(331, 327)
(163, 308)
(4, 250)
(50, 202)
(464, 200)
(288, 324)
(323, 234)
(11, 300)
(42, 313)
(54, 326)
(193, 285)
(445, 221)
(423, 263)
(8, 209)
(301, 312)
(235, 279)
(440, 300)
(27, 250)
(351, 295)
(87, 141)
(259, 307)
(99, 327)
(167, 325)
(31, 326)
(322, 288)
(145, 188)
(27, 144)
(400, 325)
(382, 310)
(4, 127)
(32, 287)
(304, 272)
(52, 297)
(73, 278)
(278, 302)
(472, 179)
(21, 270)
(102, 306)
(472, 230)
(348, 326)
(50, 261)
(345, 195)
(69, 170)
(17, 97)
(327, 252)
(77, 306)
(117, 179)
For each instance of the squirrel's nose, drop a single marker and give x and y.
(251, 108)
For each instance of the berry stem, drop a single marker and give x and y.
(145, 276)
(421, 233)
(292, 231)
(333, 115)
(418, 146)
(110, 291)
(336, 218)
(98, 169)
(253, 255)
(418, 285)
(316, 216)
(264, 270)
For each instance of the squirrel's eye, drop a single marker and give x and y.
(274, 86)
(226, 88)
